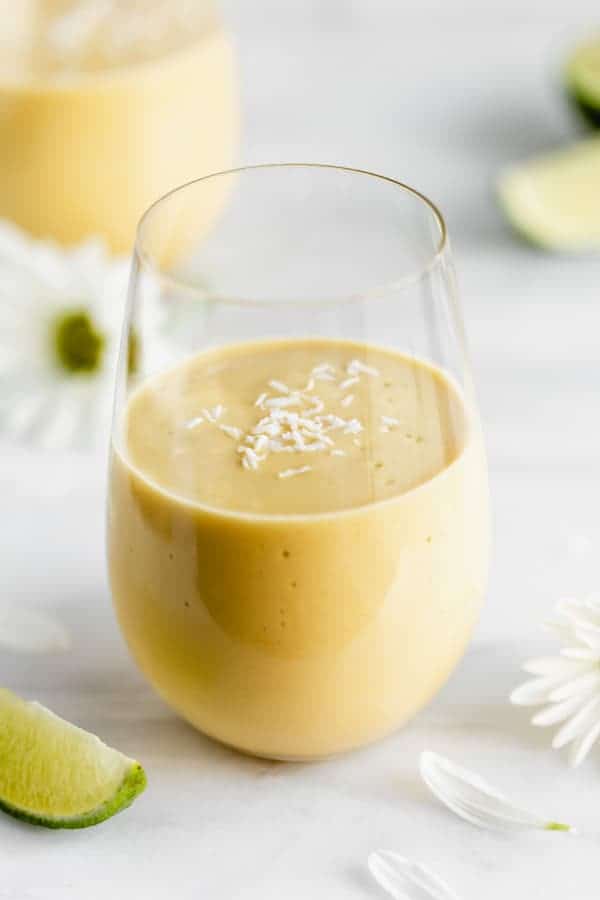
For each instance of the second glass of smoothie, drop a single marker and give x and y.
(298, 507)
(105, 106)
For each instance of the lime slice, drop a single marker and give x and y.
(553, 200)
(55, 774)
(582, 75)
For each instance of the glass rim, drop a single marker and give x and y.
(377, 290)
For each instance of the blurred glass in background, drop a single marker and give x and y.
(104, 106)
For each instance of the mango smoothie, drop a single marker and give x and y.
(298, 540)
(106, 106)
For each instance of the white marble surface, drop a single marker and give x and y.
(442, 95)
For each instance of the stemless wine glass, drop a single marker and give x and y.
(298, 506)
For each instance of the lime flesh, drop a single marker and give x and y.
(57, 775)
(582, 76)
(553, 200)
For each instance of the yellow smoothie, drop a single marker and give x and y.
(104, 107)
(298, 540)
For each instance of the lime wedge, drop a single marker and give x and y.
(57, 775)
(553, 200)
(582, 75)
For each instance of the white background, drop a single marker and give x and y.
(442, 95)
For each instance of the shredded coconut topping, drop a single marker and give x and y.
(296, 420)
(261, 442)
(290, 473)
(279, 386)
(356, 367)
(260, 400)
(324, 372)
(250, 459)
(191, 423)
(293, 400)
(231, 431)
(212, 415)
(353, 427)
(303, 430)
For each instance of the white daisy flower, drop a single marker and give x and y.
(568, 685)
(60, 317)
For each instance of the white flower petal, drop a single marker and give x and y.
(72, 424)
(14, 246)
(21, 417)
(583, 745)
(588, 621)
(588, 635)
(567, 605)
(558, 712)
(473, 799)
(583, 612)
(564, 631)
(552, 666)
(407, 880)
(577, 613)
(31, 631)
(583, 684)
(582, 721)
(581, 653)
(592, 603)
(538, 690)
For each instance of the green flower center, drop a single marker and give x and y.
(78, 345)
